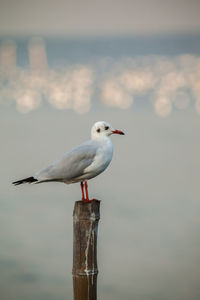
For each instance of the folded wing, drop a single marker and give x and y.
(71, 166)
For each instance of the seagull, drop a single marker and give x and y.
(81, 164)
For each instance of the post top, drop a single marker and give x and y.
(87, 210)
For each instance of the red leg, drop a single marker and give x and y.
(82, 190)
(86, 192)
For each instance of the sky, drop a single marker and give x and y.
(96, 18)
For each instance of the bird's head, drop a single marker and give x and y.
(102, 128)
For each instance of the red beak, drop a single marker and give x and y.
(117, 132)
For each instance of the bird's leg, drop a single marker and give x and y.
(86, 192)
(82, 190)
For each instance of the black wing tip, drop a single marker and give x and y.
(25, 180)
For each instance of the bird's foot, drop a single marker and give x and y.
(89, 200)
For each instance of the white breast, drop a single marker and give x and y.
(102, 159)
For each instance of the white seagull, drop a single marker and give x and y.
(81, 164)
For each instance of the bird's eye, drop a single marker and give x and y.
(98, 130)
(106, 127)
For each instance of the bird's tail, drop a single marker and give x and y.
(25, 180)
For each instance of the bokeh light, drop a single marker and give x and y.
(166, 82)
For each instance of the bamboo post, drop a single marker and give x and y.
(85, 226)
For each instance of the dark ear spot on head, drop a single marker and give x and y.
(98, 130)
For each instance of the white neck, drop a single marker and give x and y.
(100, 137)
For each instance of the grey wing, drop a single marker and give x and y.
(71, 165)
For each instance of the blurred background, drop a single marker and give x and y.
(135, 64)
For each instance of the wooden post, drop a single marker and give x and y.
(85, 222)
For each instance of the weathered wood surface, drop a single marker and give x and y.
(85, 220)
